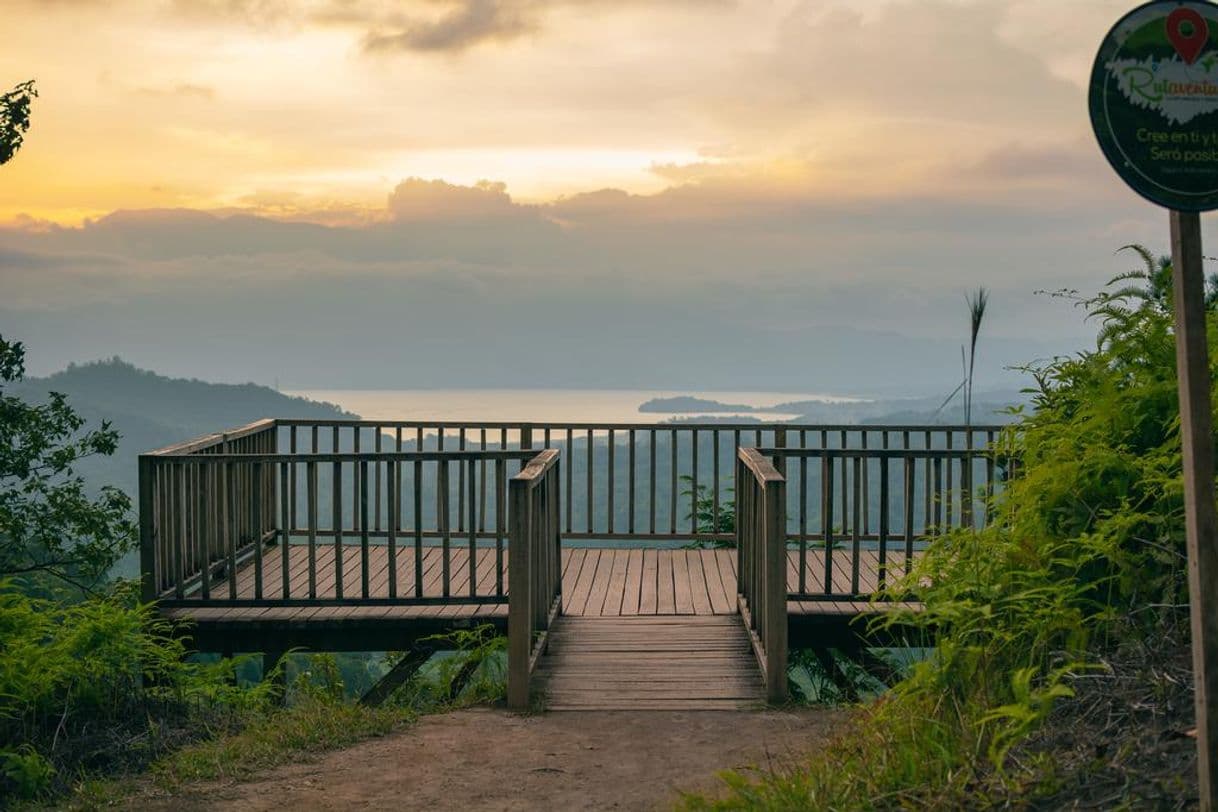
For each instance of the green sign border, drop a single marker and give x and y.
(1097, 99)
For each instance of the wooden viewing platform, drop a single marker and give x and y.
(372, 535)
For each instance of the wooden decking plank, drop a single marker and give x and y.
(573, 562)
(432, 586)
(657, 705)
(682, 598)
(647, 587)
(615, 594)
(583, 585)
(698, 586)
(721, 602)
(633, 663)
(600, 584)
(632, 593)
(665, 590)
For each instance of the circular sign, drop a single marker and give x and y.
(1154, 102)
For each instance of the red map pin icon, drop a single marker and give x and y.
(1188, 32)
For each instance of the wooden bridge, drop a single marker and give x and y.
(631, 565)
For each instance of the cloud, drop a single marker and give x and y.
(258, 13)
(416, 199)
(1053, 162)
(471, 22)
(181, 89)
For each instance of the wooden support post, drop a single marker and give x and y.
(1201, 521)
(520, 591)
(397, 676)
(780, 441)
(148, 562)
(775, 586)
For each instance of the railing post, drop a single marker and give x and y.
(148, 584)
(775, 586)
(743, 491)
(780, 441)
(520, 591)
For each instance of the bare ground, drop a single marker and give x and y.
(490, 759)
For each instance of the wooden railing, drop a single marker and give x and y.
(626, 481)
(535, 569)
(865, 514)
(762, 565)
(328, 527)
(189, 519)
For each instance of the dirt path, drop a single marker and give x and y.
(489, 759)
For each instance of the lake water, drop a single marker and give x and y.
(539, 405)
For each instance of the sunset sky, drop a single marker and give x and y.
(784, 170)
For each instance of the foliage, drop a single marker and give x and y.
(1086, 555)
(15, 118)
(703, 517)
(51, 529)
(1149, 285)
(102, 684)
(118, 694)
(472, 671)
(316, 721)
(977, 302)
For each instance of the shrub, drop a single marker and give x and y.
(1086, 555)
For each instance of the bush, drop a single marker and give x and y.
(102, 685)
(1086, 557)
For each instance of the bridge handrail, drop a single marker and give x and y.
(958, 489)
(762, 565)
(213, 506)
(629, 480)
(534, 569)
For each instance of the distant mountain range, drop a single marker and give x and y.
(151, 411)
(683, 404)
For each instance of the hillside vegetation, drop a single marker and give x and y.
(1059, 673)
(93, 684)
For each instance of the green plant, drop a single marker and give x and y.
(1085, 555)
(977, 304)
(26, 771)
(104, 685)
(469, 668)
(52, 531)
(315, 722)
(15, 118)
(704, 518)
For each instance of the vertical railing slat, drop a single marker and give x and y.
(285, 531)
(473, 533)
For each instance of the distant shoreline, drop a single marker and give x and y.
(685, 404)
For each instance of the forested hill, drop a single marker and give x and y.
(151, 410)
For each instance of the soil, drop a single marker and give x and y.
(490, 759)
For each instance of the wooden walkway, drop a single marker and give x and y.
(650, 663)
(597, 582)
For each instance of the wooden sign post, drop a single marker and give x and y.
(1201, 518)
(1153, 101)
